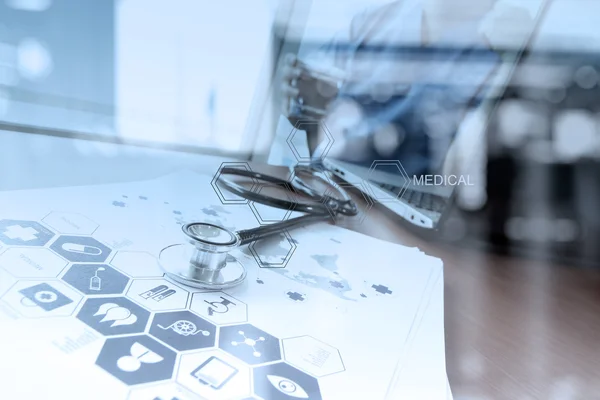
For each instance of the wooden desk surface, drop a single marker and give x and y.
(515, 329)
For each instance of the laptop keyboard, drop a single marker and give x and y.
(417, 199)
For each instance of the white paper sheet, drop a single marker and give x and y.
(86, 312)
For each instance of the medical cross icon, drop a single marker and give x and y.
(296, 296)
(381, 289)
(21, 233)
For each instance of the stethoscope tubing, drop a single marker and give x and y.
(324, 209)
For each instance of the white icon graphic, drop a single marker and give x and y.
(81, 249)
(287, 387)
(185, 328)
(116, 313)
(250, 342)
(139, 354)
(18, 232)
(96, 281)
(214, 372)
(158, 293)
(43, 296)
(221, 307)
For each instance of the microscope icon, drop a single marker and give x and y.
(219, 307)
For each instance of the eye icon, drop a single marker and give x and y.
(287, 386)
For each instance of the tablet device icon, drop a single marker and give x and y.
(214, 372)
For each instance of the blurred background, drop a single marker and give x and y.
(104, 91)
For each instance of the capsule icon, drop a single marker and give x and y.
(81, 249)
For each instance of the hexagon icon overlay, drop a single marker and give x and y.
(219, 308)
(24, 233)
(363, 209)
(274, 251)
(214, 374)
(137, 264)
(82, 249)
(114, 316)
(249, 344)
(31, 262)
(281, 381)
(42, 299)
(183, 330)
(95, 279)
(6, 281)
(382, 167)
(70, 223)
(137, 359)
(158, 294)
(312, 356)
(321, 150)
(266, 214)
(222, 192)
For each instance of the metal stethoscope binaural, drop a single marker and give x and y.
(203, 261)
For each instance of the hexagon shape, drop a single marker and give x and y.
(266, 214)
(41, 299)
(137, 359)
(281, 381)
(70, 223)
(164, 391)
(30, 262)
(158, 294)
(219, 308)
(225, 195)
(83, 249)
(362, 211)
(249, 344)
(114, 316)
(24, 233)
(214, 374)
(137, 264)
(274, 251)
(387, 166)
(302, 155)
(183, 330)
(96, 279)
(312, 356)
(6, 281)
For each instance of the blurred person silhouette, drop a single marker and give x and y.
(408, 72)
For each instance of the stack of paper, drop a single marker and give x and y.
(336, 315)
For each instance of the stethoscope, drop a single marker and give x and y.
(203, 260)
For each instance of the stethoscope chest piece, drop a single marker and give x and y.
(204, 261)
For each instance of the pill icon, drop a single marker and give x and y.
(82, 249)
(154, 291)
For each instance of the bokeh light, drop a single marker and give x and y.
(586, 77)
(575, 135)
(29, 5)
(34, 60)
(387, 139)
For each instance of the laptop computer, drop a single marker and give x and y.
(420, 191)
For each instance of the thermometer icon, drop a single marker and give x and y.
(82, 249)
